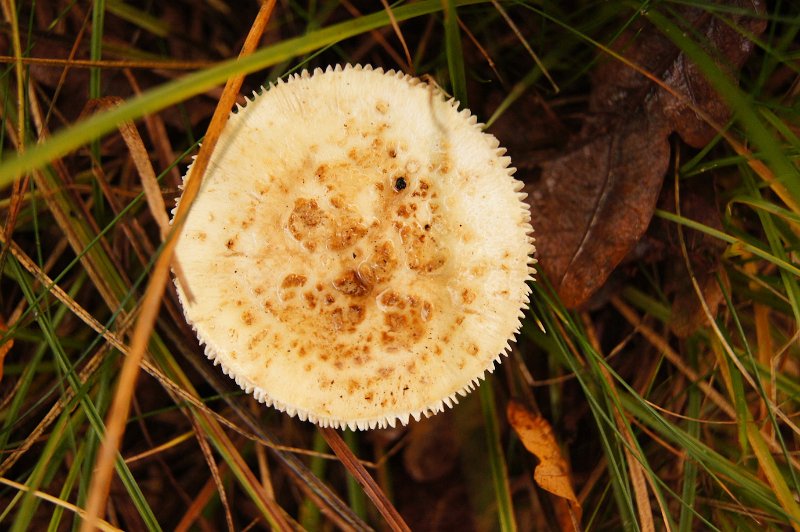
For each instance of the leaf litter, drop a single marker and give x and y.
(698, 202)
(552, 473)
(594, 202)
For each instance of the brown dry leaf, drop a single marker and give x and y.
(552, 473)
(594, 203)
(617, 88)
(731, 48)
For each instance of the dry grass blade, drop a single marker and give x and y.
(64, 71)
(59, 293)
(750, 379)
(120, 407)
(632, 452)
(55, 411)
(194, 512)
(157, 131)
(740, 367)
(761, 315)
(484, 53)
(170, 387)
(64, 208)
(107, 63)
(141, 159)
(215, 474)
(673, 357)
(101, 524)
(757, 440)
(376, 35)
(160, 448)
(371, 488)
(133, 230)
(637, 473)
(278, 519)
(5, 346)
(525, 44)
(10, 14)
(396, 28)
(17, 194)
(21, 183)
(89, 368)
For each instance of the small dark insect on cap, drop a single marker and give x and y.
(400, 183)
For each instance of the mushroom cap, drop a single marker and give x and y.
(359, 250)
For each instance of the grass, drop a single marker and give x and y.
(660, 430)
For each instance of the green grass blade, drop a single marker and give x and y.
(96, 46)
(69, 483)
(689, 481)
(505, 508)
(355, 494)
(176, 91)
(455, 55)
(139, 18)
(776, 479)
(761, 253)
(93, 415)
(310, 515)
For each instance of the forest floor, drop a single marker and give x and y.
(654, 381)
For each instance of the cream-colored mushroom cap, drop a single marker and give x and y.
(359, 250)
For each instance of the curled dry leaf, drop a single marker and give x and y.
(618, 90)
(594, 203)
(552, 473)
(730, 47)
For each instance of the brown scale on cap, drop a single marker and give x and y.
(376, 275)
(363, 285)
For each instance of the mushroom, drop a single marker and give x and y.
(359, 251)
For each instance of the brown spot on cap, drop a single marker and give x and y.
(467, 296)
(351, 284)
(293, 280)
(306, 213)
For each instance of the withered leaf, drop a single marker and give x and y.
(552, 473)
(592, 204)
(617, 89)
(730, 48)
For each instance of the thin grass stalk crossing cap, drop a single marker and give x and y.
(359, 251)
